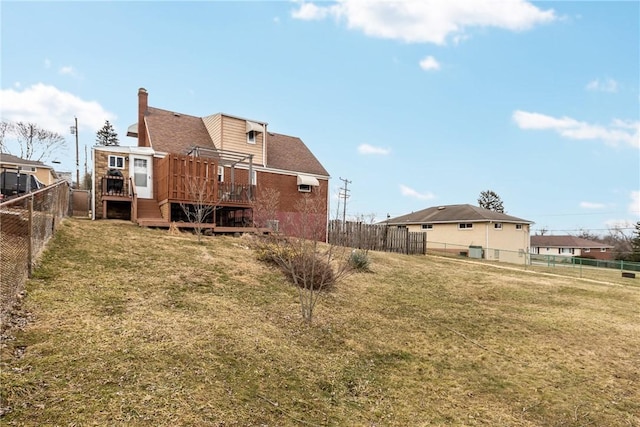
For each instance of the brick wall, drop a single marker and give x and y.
(101, 163)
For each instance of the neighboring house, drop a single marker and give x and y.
(19, 176)
(570, 246)
(470, 230)
(233, 160)
(43, 173)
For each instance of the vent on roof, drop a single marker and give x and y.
(176, 114)
(440, 208)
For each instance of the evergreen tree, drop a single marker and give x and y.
(107, 135)
(490, 200)
(635, 244)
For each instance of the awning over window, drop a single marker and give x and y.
(307, 180)
(132, 130)
(253, 126)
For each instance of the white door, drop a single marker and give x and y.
(141, 171)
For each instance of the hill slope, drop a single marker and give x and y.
(132, 326)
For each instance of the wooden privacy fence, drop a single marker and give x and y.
(377, 237)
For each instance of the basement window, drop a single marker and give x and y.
(116, 162)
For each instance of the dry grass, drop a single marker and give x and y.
(131, 326)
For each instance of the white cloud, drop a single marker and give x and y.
(591, 205)
(634, 206)
(311, 12)
(608, 85)
(410, 192)
(420, 21)
(370, 149)
(429, 63)
(68, 71)
(53, 109)
(620, 131)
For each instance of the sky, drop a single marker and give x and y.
(412, 103)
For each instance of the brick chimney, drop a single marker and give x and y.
(143, 95)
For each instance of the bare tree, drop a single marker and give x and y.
(35, 143)
(202, 202)
(6, 128)
(265, 209)
(313, 266)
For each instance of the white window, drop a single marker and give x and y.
(465, 225)
(116, 162)
(497, 226)
(254, 177)
(251, 137)
(304, 188)
(518, 226)
(586, 250)
(220, 173)
(427, 226)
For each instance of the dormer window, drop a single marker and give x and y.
(252, 130)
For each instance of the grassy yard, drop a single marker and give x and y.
(133, 326)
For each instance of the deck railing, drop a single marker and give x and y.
(114, 186)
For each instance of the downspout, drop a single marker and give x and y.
(487, 239)
(264, 146)
(93, 186)
(326, 228)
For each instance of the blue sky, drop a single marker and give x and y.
(416, 103)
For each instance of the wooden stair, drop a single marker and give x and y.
(149, 214)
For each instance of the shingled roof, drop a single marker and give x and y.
(291, 154)
(566, 242)
(454, 213)
(171, 132)
(174, 132)
(11, 159)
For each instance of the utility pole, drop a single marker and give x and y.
(74, 131)
(344, 193)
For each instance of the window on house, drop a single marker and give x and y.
(254, 177)
(565, 251)
(518, 226)
(116, 162)
(586, 250)
(497, 226)
(465, 225)
(304, 188)
(220, 173)
(427, 226)
(251, 137)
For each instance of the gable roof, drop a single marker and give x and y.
(176, 133)
(566, 242)
(15, 160)
(291, 154)
(452, 214)
(172, 132)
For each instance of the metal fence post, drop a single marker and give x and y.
(30, 245)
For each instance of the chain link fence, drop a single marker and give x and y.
(26, 225)
(615, 271)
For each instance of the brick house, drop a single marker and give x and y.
(570, 246)
(225, 161)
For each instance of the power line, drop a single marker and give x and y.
(344, 193)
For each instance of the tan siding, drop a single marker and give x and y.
(213, 126)
(509, 241)
(234, 138)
